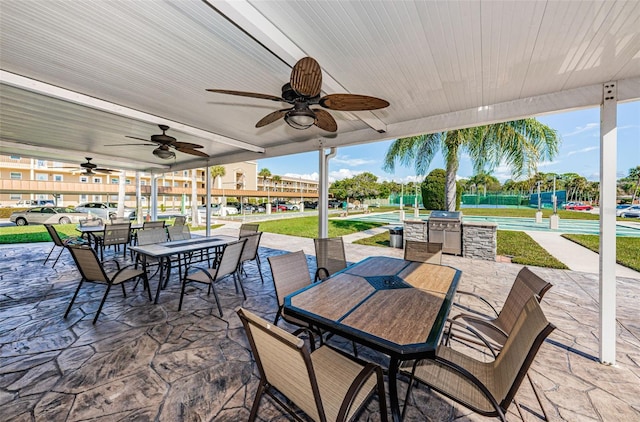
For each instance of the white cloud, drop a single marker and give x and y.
(352, 162)
(548, 163)
(342, 174)
(581, 129)
(579, 151)
(312, 176)
(405, 179)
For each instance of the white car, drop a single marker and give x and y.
(217, 210)
(105, 210)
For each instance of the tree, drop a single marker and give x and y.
(433, 190)
(265, 174)
(277, 179)
(520, 144)
(635, 173)
(217, 173)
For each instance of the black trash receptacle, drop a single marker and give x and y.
(395, 237)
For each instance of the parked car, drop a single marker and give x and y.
(278, 207)
(620, 209)
(46, 215)
(578, 206)
(631, 212)
(216, 209)
(105, 210)
(334, 203)
(26, 203)
(310, 205)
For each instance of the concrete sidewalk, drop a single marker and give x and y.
(574, 256)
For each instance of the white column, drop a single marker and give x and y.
(323, 191)
(608, 155)
(207, 189)
(139, 210)
(154, 197)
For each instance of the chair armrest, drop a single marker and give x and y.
(480, 298)
(317, 277)
(474, 332)
(116, 262)
(355, 387)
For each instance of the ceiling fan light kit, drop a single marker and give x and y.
(165, 154)
(165, 142)
(302, 91)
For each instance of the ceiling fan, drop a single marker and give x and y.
(166, 143)
(303, 91)
(89, 168)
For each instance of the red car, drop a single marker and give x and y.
(279, 207)
(578, 206)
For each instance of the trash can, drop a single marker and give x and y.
(395, 237)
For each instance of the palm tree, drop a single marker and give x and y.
(264, 173)
(217, 173)
(277, 179)
(520, 144)
(634, 173)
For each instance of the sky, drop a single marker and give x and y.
(579, 152)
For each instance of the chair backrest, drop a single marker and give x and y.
(417, 251)
(119, 220)
(290, 272)
(117, 234)
(180, 220)
(54, 235)
(88, 264)
(284, 362)
(330, 254)
(517, 355)
(230, 258)
(248, 228)
(178, 232)
(251, 247)
(152, 224)
(521, 291)
(152, 236)
(90, 222)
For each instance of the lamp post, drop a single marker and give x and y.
(268, 207)
(539, 212)
(402, 202)
(554, 219)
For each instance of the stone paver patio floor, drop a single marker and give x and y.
(150, 362)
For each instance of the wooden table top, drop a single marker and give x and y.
(159, 250)
(395, 306)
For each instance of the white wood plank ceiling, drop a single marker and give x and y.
(77, 75)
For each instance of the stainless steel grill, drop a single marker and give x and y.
(446, 227)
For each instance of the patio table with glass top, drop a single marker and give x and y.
(394, 306)
(163, 251)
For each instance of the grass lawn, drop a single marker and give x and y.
(308, 227)
(37, 233)
(627, 248)
(524, 250)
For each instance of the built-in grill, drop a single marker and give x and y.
(446, 227)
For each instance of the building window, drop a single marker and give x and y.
(41, 177)
(14, 157)
(41, 163)
(185, 173)
(176, 184)
(15, 196)
(97, 180)
(166, 183)
(115, 180)
(127, 181)
(15, 175)
(58, 178)
(97, 198)
(84, 179)
(186, 184)
(143, 183)
(83, 198)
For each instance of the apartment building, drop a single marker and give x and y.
(24, 178)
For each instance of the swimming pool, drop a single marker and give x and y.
(516, 223)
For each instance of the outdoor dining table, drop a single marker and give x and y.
(394, 306)
(91, 230)
(164, 251)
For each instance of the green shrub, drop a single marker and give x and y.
(432, 189)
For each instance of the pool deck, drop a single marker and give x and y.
(150, 362)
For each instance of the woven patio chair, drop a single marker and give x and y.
(152, 224)
(60, 242)
(248, 228)
(180, 220)
(150, 237)
(325, 384)
(290, 272)
(487, 388)
(119, 220)
(93, 271)
(428, 252)
(227, 266)
(115, 235)
(330, 256)
(250, 252)
(179, 232)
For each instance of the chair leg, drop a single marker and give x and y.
(56, 261)
(184, 284)
(73, 299)
(145, 281)
(535, 391)
(215, 295)
(256, 401)
(47, 258)
(124, 293)
(238, 280)
(259, 269)
(104, 298)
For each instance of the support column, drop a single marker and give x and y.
(323, 191)
(154, 197)
(207, 183)
(608, 156)
(139, 211)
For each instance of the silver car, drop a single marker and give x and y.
(105, 210)
(46, 215)
(631, 212)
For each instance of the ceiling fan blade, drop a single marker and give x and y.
(306, 77)
(187, 145)
(272, 117)
(352, 102)
(192, 152)
(107, 171)
(248, 94)
(130, 145)
(325, 121)
(140, 139)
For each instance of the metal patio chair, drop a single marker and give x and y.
(330, 256)
(487, 388)
(115, 235)
(60, 242)
(92, 271)
(248, 228)
(250, 252)
(418, 251)
(325, 384)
